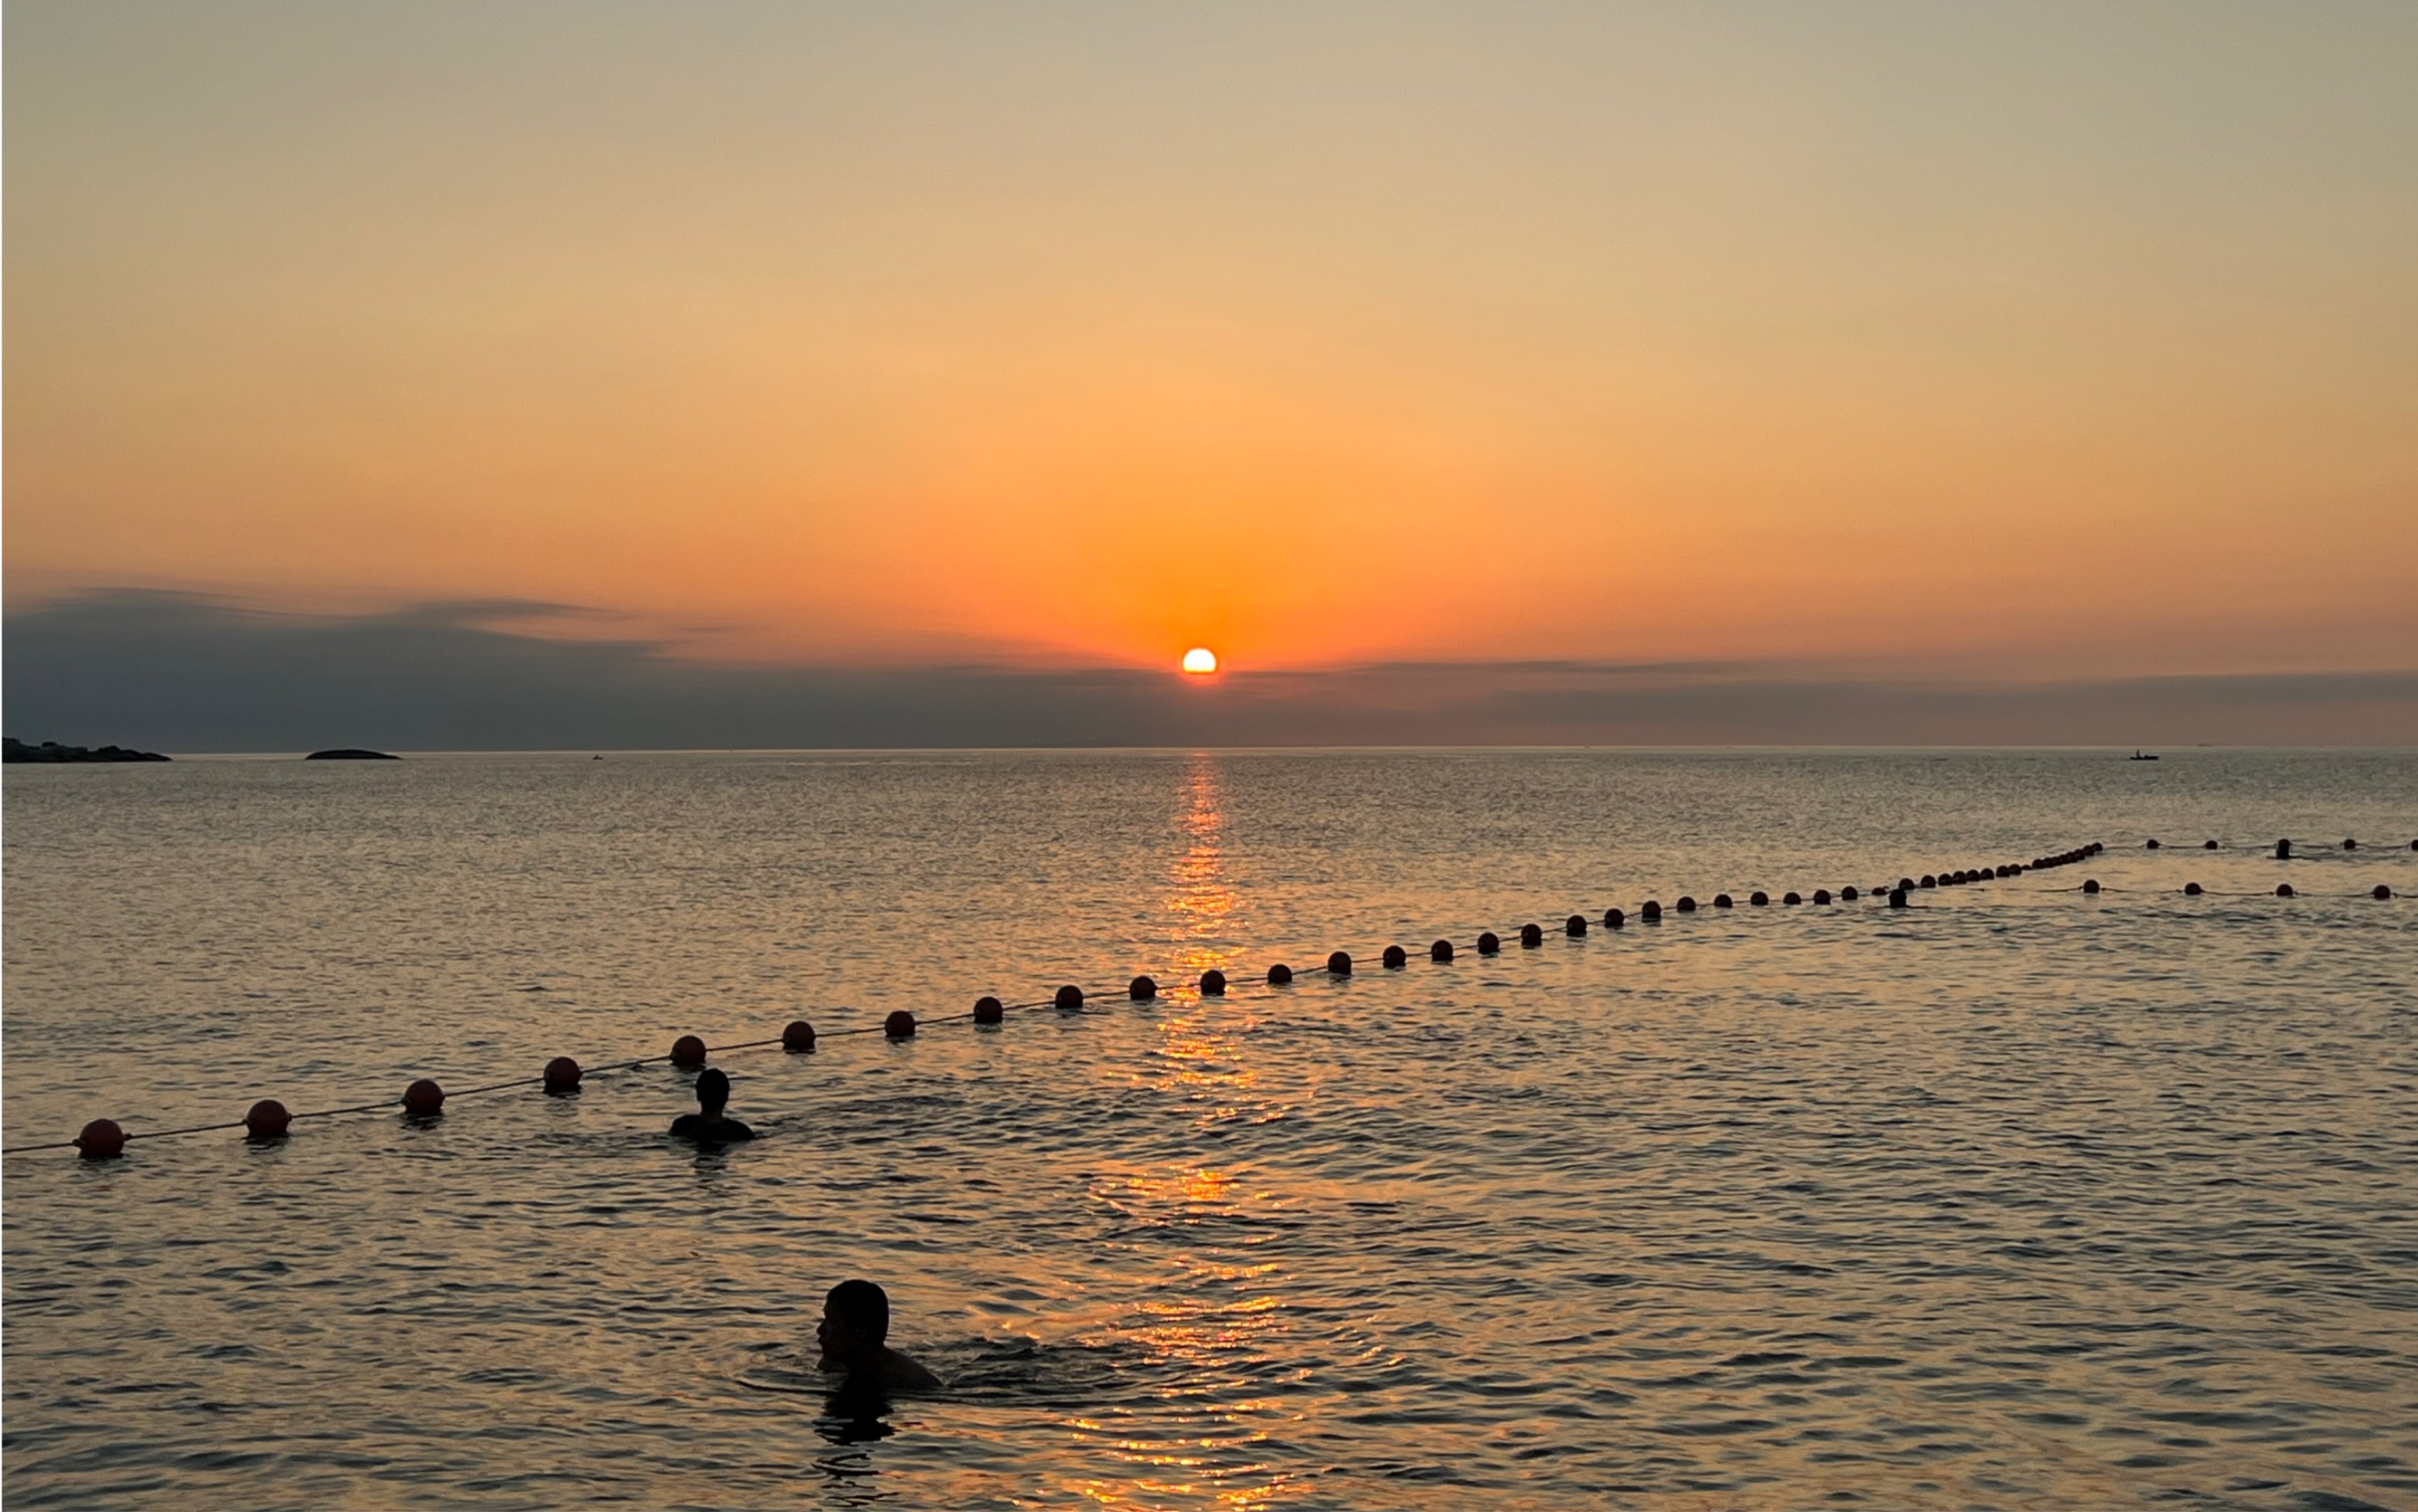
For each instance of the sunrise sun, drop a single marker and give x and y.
(1200, 661)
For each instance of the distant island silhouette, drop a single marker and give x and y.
(12, 749)
(350, 753)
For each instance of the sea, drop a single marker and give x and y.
(2018, 1196)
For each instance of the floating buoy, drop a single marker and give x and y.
(688, 1052)
(900, 1025)
(1761, 900)
(798, 1036)
(1213, 983)
(2381, 893)
(1790, 898)
(1531, 936)
(1575, 925)
(1929, 881)
(1279, 975)
(1720, 900)
(2151, 845)
(268, 1119)
(101, 1139)
(989, 1010)
(1897, 897)
(2191, 890)
(1652, 912)
(1340, 964)
(1845, 894)
(1822, 894)
(2348, 844)
(1685, 905)
(561, 1077)
(2091, 886)
(1487, 944)
(1613, 917)
(1395, 958)
(2207, 845)
(1070, 997)
(1440, 951)
(1141, 989)
(1904, 884)
(2283, 850)
(423, 1099)
(2283, 890)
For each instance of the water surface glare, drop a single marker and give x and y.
(2017, 1198)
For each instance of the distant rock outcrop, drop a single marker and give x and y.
(350, 753)
(12, 749)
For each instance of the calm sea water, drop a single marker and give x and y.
(2015, 1199)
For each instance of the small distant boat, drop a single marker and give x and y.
(2141, 756)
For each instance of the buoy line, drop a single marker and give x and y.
(424, 1099)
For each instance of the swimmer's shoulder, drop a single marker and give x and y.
(903, 1372)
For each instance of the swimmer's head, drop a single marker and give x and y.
(714, 1091)
(856, 1319)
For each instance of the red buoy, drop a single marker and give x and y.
(798, 1037)
(423, 1099)
(989, 1010)
(688, 1052)
(1213, 983)
(101, 1139)
(266, 1119)
(561, 1075)
(1070, 996)
(1141, 988)
(900, 1025)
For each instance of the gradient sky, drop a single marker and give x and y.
(2019, 341)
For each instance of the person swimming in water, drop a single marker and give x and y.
(708, 1124)
(855, 1323)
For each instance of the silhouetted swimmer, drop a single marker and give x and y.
(855, 1324)
(708, 1124)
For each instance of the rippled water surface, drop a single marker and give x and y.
(2017, 1198)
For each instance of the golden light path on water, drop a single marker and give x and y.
(1216, 1312)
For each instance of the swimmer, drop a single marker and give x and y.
(856, 1319)
(707, 1125)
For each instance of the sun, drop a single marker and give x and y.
(1200, 661)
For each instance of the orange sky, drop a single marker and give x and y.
(2024, 342)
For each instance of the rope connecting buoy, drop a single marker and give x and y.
(900, 1025)
(101, 1139)
(1338, 963)
(1575, 927)
(1141, 989)
(1531, 936)
(423, 1099)
(1487, 944)
(1441, 952)
(989, 1010)
(2091, 886)
(268, 1119)
(1279, 975)
(1897, 897)
(1613, 917)
(1651, 913)
(561, 1077)
(2381, 893)
(1213, 983)
(1395, 958)
(2283, 890)
(1069, 997)
(688, 1052)
(2191, 890)
(798, 1036)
